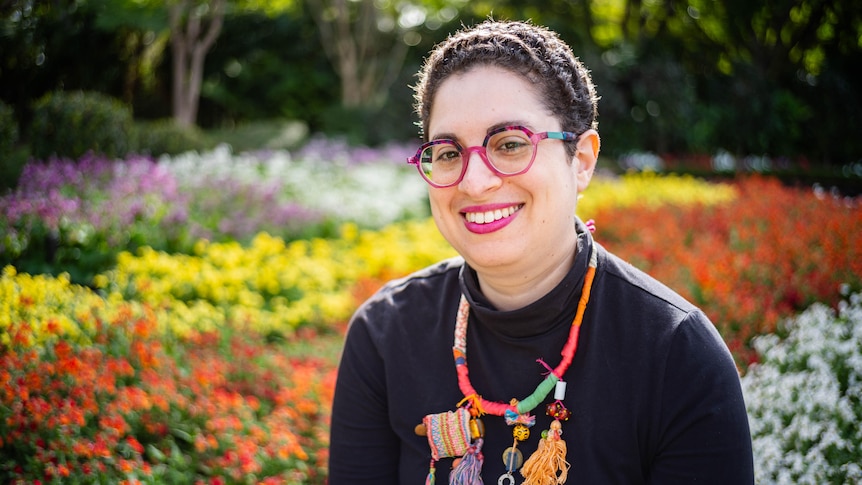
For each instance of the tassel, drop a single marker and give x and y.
(469, 468)
(543, 466)
(432, 472)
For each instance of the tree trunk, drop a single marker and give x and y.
(192, 35)
(366, 60)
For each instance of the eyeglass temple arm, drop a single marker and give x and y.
(562, 135)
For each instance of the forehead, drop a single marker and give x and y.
(485, 97)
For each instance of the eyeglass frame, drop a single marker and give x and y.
(535, 138)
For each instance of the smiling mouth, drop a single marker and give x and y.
(491, 216)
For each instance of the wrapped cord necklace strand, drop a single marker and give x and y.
(460, 433)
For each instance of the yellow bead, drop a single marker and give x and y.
(477, 428)
(521, 432)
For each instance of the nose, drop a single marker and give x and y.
(479, 177)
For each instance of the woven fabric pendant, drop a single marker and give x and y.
(454, 434)
(448, 433)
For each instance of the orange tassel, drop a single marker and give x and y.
(548, 465)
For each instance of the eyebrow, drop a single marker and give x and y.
(453, 136)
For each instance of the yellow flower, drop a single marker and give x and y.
(651, 190)
(273, 285)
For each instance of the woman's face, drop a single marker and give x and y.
(532, 230)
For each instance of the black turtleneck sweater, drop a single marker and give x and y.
(654, 393)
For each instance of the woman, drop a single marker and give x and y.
(569, 365)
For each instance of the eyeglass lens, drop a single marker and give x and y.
(509, 152)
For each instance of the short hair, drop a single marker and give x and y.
(534, 52)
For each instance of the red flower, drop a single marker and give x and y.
(135, 444)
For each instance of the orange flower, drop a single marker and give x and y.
(126, 466)
(52, 327)
(114, 425)
(200, 443)
(135, 444)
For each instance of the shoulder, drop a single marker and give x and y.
(644, 316)
(639, 285)
(411, 303)
(415, 287)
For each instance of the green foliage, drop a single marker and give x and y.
(733, 75)
(268, 134)
(164, 136)
(112, 15)
(366, 125)
(267, 68)
(70, 124)
(48, 46)
(8, 130)
(11, 160)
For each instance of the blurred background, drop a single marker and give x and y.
(223, 181)
(697, 85)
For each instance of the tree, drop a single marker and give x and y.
(367, 41)
(194, 29)
(193, 26)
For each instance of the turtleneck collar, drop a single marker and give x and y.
(544, 314)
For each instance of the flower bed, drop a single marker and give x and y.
(75, 216)
(136, 406)
(215, 364)
(763, 256)
(805, 399)
(272, 286)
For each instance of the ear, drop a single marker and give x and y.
(586, 157)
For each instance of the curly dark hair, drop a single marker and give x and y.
(534, 52)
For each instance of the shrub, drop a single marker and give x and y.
(74, 216)
(8, 130)
(10, 162)
(805, 398)
(165, 137)
(74, 123)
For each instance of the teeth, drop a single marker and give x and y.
(490, 216)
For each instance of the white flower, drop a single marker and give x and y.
(805, 399)
(371, 193)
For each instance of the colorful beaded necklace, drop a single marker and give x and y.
(548, 463)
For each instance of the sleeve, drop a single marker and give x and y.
(363, 447)
(705, 433)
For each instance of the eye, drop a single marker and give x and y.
(510, 144)
(446, 153)
(513, 145)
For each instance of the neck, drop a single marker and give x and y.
(512, 289)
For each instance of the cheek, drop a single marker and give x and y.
(561, 190)
(434, 199)
(439, 204)
(562, 180)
